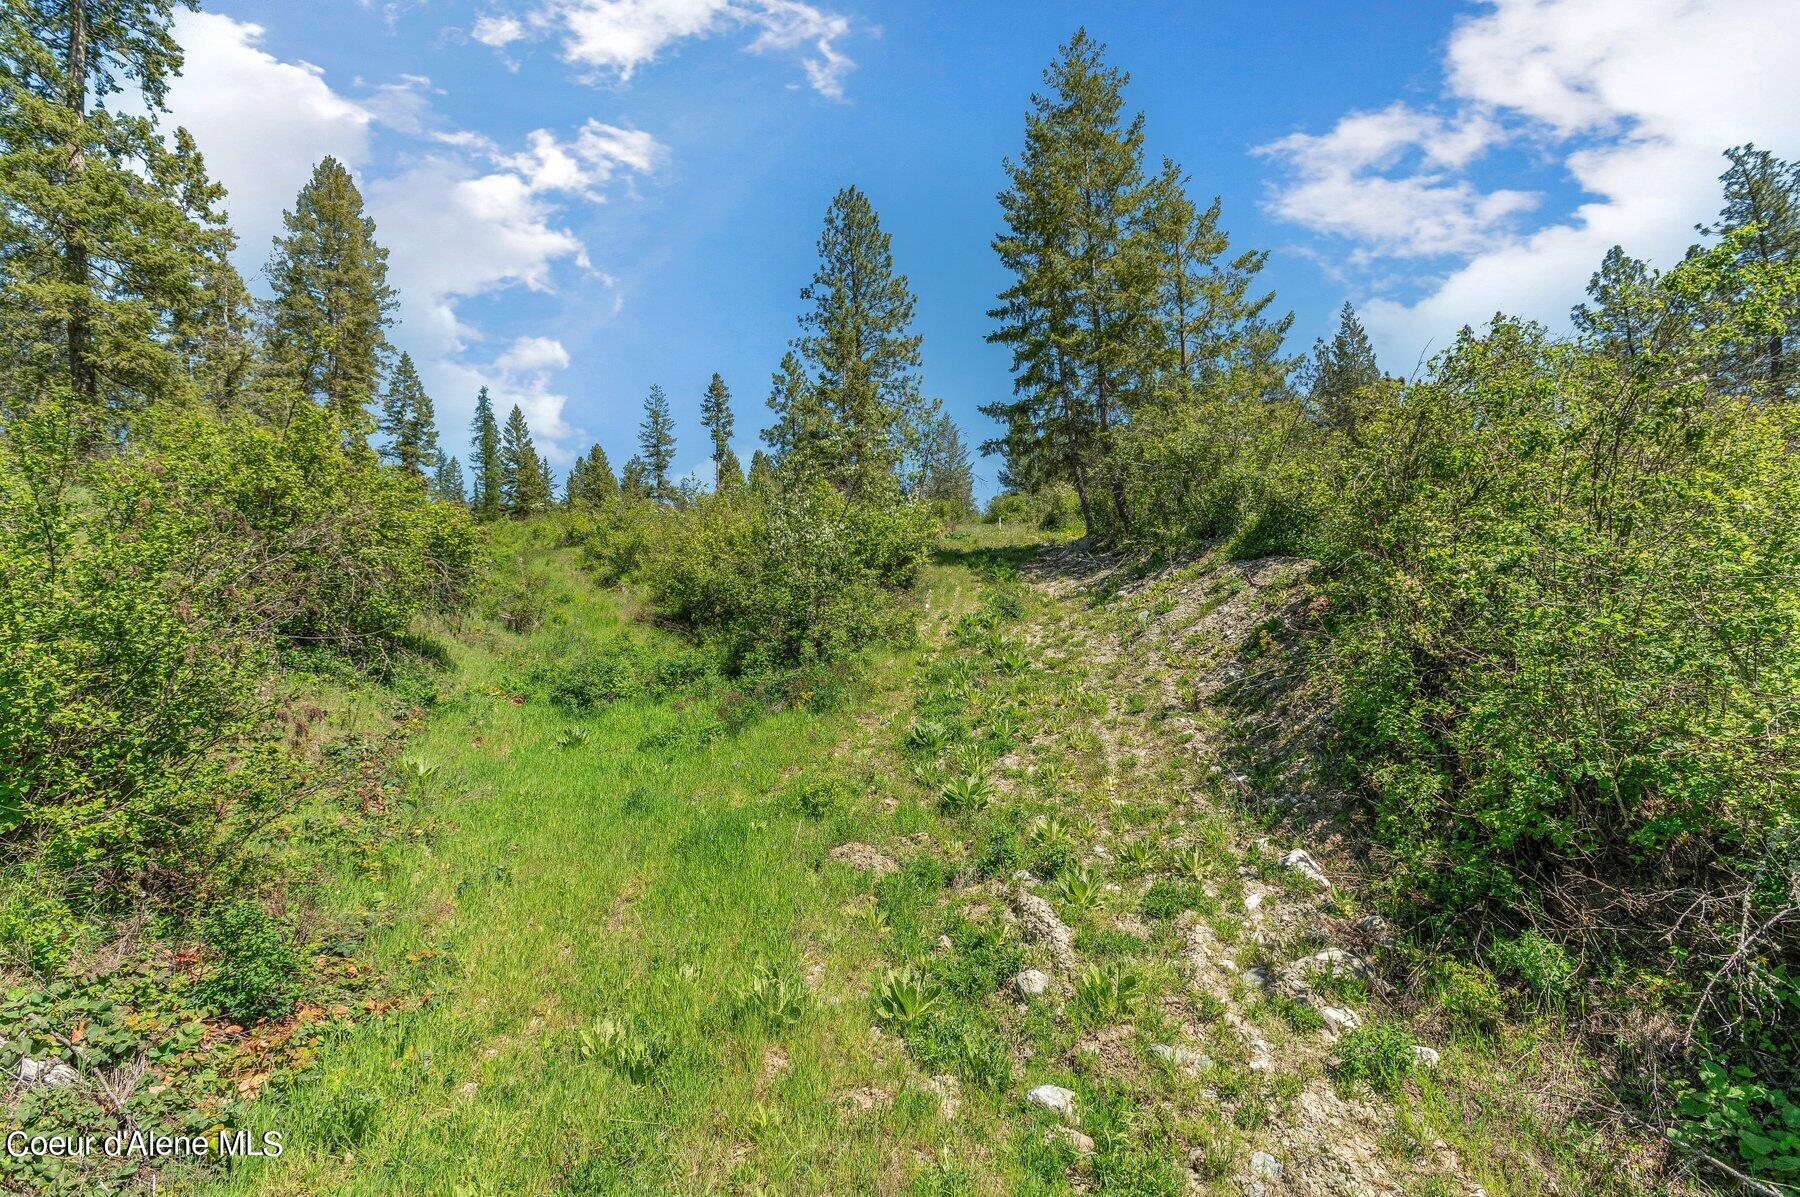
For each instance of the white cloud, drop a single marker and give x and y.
(497, 31)
(1636, 98)
(1342, 186)
(260, 122)
(462, 218)
(534, 353)
(618, 37)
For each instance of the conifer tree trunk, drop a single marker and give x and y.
(75, 257)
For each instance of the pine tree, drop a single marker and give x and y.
(762, 471)
(105, 250)
(946, 475)
(447, 484)
(634, 479)
(1621, 313)
(332, 305)
(656, 444)
(1080, 316)
(1342, 369)
(591, 480)
(858, 355)
(716, 417)
(408, 420)
(1215, 335)
(487, 499)
(546, 488)
(728, 473)
(524, 485)
(218, 337)
(1762, 194)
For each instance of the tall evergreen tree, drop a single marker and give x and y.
(762, 470)
(634, 479)
(844, 398)
(106, 230)
(1216, 334)
(488, 497)
(656, 443)
(1621, 312)
(408, 420)
(716, 417)
(946, 474)
(447, 483)
(1342, 368)
(591, 481)
(332, 306)
(524, 486)
(1080, 316)
(1762, 194)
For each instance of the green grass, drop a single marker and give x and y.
(632, 895)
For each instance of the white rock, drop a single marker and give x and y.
(1032, 982)
(1264, 1164)
(1053, 1097)
(1301, 862)
(1335, 961)
(1181, 1057)
(1252, 902)
(1425, 1057)
(1258, 976)
(47, 1072)
(1339, 1020)
(1074, 1138)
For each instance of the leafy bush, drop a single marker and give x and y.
(143, 596)
(777, 578)
(1541, 965)
(253, 972)
(771, 996)
(590, 682)
(1378, 1055)
(1731, 1109)
(1467, 996)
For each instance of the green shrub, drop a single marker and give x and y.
(1731, 1110)
(1467, 996)
(777, 578)
(253, 971)
(1541, 965)
(590, 682)
(1377, 1055)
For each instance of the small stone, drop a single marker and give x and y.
(1301, 862)
(1258, 976)
(1032, 983)
(47, 1072)
(1074, 1138)
(1180, 1057)
(944, 943)
(1024, 877)
(1252, 902)
(1265, 1165)
(1335, 962)
(468, 1089)
(949, 1093)
(1425, 1057)
(1053, 1097)
(1338, 1020)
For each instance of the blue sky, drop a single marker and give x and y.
(585, 197)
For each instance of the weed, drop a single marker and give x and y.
(1378, 1056)
(621, 1045)
(903, 996)
(771, 997)
(965, 793)
(1107, 993)
(1080, 887)
(254, 971)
